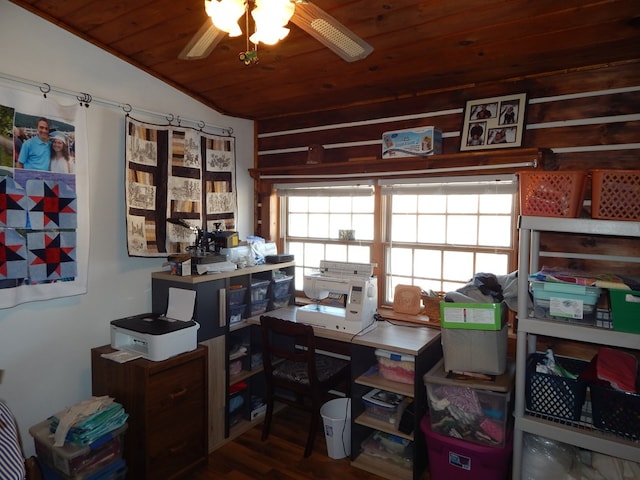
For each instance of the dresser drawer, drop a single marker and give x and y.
(176, 386)
(175, 454)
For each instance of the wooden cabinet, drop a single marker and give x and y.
(167, 406)
(574, 433)
(423, 343)
(216, 310)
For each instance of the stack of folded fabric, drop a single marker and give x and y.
(88, 421)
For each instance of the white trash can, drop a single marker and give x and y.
(336, 416)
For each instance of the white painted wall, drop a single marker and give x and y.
(45, 346)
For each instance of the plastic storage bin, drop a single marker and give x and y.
(114, 471)
(565, 301)
(281, 286)
(235, 296)
(259, 290)
(396, 367)
(552, 194)
(236, 313)
(259, 307)
(553, 395)
(625, 310)
(452, 458)
(615, 195)
(77, 462)
(469, 408)
(385, 406)
(280, 302)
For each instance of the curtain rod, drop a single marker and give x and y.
(533, 163)
(85, 99)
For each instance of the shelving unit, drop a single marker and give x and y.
(213, 313)
(424, 345)
(576, 434)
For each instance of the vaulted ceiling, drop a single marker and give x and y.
(419, 47)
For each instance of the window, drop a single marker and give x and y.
(314, 217)
(440, 233)
(436, 233)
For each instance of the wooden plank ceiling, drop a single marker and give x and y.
(419, 47)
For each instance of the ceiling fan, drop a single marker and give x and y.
(306, 15)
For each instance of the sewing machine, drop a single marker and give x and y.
(352, 282)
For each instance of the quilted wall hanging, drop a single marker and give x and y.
(176, 173)
(44, 203)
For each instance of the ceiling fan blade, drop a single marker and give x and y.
(203, 42)
(330, 32)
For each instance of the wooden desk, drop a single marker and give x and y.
(420, 342)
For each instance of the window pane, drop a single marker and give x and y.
(335, 252)
(363, 225)
(462, 230)
(319, 225)
(401, 261)
(339, 204)
(428, 263)
(363, 204)
(495, 263)
(298, 204)
(432, 203)
(359, 254)
(404, 203)
(462, 204)
(338, 222)
(431, 228)
(318, 204)
(495, 231)
(458, 266)
(313, 253)
(298, 225)
(403, 228)
(495, 203)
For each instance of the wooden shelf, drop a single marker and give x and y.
(378, 381)
(382, 468)
(372, 422)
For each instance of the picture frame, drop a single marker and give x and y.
(496, 122)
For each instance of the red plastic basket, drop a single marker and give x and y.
(615, 194)
(552, 194)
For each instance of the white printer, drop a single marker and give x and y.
(158, 337)
(154, 336)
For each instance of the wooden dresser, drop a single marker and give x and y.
(167, 406)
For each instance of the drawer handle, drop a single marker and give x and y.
(178, 394)
(177, 448)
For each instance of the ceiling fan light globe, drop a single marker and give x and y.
(269, 36)
(225, 14)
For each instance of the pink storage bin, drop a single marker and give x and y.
(452, 458)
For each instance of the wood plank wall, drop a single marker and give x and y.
(589, 118)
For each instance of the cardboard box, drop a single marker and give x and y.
(179, 264)
(473, 316)
(481, 351)
(411, 143)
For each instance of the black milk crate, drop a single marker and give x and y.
(615, 411)
(554, 395)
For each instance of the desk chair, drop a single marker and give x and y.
(297, 376)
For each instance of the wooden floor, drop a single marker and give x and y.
(280, 456)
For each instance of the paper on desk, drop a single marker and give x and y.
(215, 267)
(181, 304)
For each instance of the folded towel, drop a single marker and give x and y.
(618, 368)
